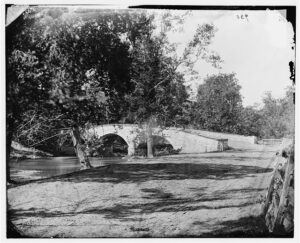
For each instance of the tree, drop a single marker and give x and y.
(90, 66)
(278, 115)
(160, 96)
(219, 104)
(288, 103)
(25, 87)
(105, 67)
(251, 121)
(82, 65)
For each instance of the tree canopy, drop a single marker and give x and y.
(278, 116)
(219, 104)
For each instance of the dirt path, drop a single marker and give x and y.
(212, 194)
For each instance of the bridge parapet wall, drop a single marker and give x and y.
(190, 143)
(187, 142)
(230, 137)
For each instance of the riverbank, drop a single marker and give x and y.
(18, 151)
(193, 195)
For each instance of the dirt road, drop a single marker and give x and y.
(195, 195)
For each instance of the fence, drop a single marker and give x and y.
(271, 141)
(279, 203)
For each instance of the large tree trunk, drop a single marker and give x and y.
(80, 149)
(149, 143)
(9, 137)
(149, 139)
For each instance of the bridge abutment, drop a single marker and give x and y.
(131, 148)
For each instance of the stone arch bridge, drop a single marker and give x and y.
(186, 141)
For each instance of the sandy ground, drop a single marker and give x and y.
(193, 195)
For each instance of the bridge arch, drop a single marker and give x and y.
(125, 132)
(112, 144)
(160, 145)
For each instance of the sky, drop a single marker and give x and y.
(257, 48)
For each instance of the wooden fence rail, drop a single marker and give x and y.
(279, 203)
(271, 141)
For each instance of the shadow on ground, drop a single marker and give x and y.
(137, 173)
(156, 199)
(160, 202)
(245, 227)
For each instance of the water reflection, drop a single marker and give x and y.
(46, 167)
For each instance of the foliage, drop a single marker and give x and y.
(251, 121)
(159, 90)
(219, 108)
(81, 65)
(219, 104)
(77, 68)
(278, 116)
(25, 83)
(80, 68)
(160, 94)
(90, 68)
